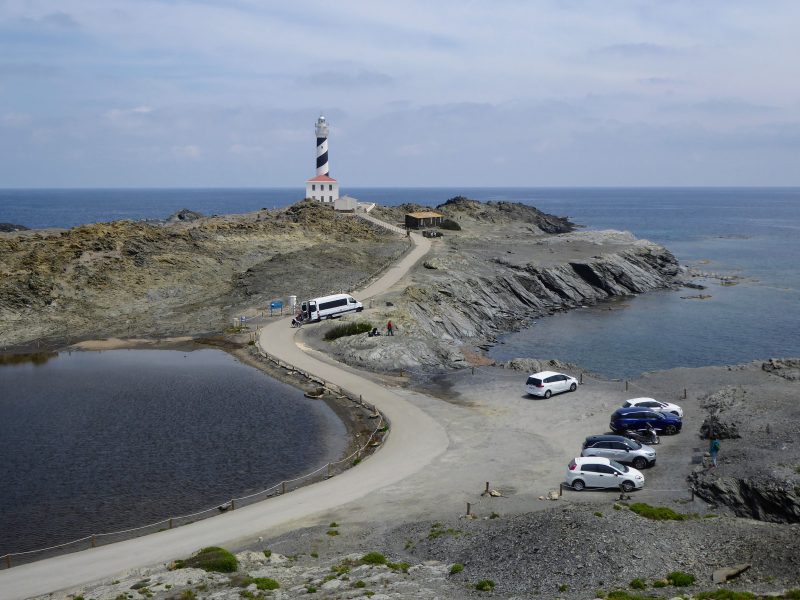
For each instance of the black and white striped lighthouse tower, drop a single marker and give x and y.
(322, 187)
(322, 146)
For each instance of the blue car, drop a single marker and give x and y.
(639, 418)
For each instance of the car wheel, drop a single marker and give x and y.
(627, 486)
(670, 430)
(578, 485)
(548, 393)
(573, 387)
(639, 463)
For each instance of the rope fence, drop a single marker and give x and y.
(328, 470)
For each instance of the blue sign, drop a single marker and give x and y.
(276, 304)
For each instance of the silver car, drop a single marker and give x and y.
(598, 472)
(547, 383)
(620, 449)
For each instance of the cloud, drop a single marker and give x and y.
(358, 79)
(16, 120)
(640, 50)
(27, 70)
(188, 152)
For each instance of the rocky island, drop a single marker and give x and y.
(730, 532)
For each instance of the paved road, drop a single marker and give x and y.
(415, 440)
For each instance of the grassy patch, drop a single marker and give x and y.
(347, 329)
(333, 524)
(456, 568)
(213, 559)
(267, 552)
(359, 584)
(723, 594)
(624, 595)
(437, 530)
(373, 558)
(657, 513)
(563, 588)
(485, 585)
(332, 532)
(264, 583)
(598, 514)
(680, 579)
(638, 584)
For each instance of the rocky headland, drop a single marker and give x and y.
(184, 277)
(505, 265)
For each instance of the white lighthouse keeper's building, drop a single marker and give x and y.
(322, 187)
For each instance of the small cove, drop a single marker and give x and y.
(95, 442)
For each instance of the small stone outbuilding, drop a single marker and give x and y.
(418, 220)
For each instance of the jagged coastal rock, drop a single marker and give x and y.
(508, 265)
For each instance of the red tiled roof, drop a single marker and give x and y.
(321, 178)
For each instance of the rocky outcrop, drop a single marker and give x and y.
(10, 227)
(468, 298)
(788, 368)
(765, 499)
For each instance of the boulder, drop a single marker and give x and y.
(726, 573)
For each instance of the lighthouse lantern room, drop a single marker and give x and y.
(322, 187)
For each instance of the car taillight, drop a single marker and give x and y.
(572, 466)
(539, 385)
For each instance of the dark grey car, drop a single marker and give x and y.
(620, 449)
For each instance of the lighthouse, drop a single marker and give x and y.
(322, 187)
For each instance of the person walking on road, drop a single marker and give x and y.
(713, 450)
(389, 328)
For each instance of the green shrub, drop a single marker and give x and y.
(680, 579)
(623, 595)
(485, 585)
(401, 566)
(598, 514)
(563, 587)
(213, 559)
(638, 584)
(723, 594)
(793, 594)
(660, 583)
(347, 329)
(450, 225)
(456, 568)
(333, 524)
(311, 590)
(359, 584)
(373, 558)
(267, 553)
(656, 513)
(265, 583)
(494, 515)
(332, 532)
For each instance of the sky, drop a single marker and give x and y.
(215, 93)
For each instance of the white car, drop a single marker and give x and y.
(654, 405)
(547, 383)
(598, 472)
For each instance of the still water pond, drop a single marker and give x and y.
(101, 441)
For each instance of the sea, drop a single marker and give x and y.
(73, 465)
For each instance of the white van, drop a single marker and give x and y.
(328, 307)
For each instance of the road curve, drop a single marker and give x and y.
(415, 440)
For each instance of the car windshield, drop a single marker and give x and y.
(618, 466)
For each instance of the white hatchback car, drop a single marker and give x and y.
(654, 405)
(547, 383)
(598, 472)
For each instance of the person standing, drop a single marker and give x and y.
(389, 328)
(713, 450)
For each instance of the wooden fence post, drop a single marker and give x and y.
(170, 522)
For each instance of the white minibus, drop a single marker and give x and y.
(328, 307)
